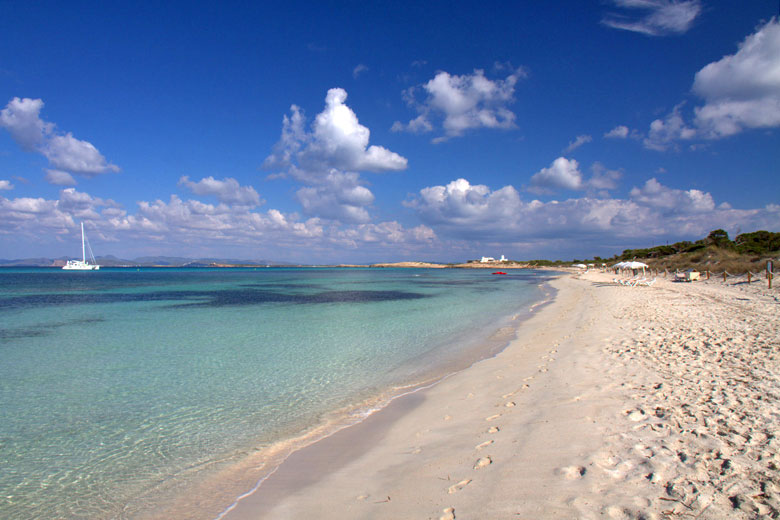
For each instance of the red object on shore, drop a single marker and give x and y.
(499, 272)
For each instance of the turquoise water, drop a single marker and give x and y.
(121, 388)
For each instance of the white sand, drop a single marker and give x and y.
(614, 402)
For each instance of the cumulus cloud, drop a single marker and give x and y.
(6, 185)
(579, 141)
(339, 196)
(659, 17)
(336, 140)
(472, 209)
(462, 211)
(463, 103)
(182, 225)
(619, 132)
(561, 174)
(742, 90)
(328, 158)
(655, 195)
(60, 178)
(665, 132)
(227, 190)
(603, 179)
(21, 118)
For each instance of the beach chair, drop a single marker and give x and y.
(647, 283)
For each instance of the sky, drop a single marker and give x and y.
(351, 131)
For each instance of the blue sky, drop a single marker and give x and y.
(366, 131)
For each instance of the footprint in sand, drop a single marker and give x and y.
(506, 396)
(644, 451)
(493, 417)
(457, 487)
(483, 462)
(493, 429)
(572, 472)
(449, 514)
(483, 445)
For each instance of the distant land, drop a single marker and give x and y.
(144, 261)
(175, 261)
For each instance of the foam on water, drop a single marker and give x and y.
(121, 389)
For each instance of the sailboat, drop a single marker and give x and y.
(83, 265)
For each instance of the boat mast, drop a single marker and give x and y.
(83, 251)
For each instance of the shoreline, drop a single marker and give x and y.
(586, 413)
(219, 492)
(351, 439)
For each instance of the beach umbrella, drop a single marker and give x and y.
(636, 265)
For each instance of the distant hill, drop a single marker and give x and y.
(717, 252)
(144, 261)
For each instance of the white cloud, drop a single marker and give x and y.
(603, 179)
(358, 70)
(463, 102)
(742, 90)
(579, 141)
(179, 226)
(6, 185)
(60, 178)
(327, 159)
(658, 196)
(562, 174)
(660, 17)
(664, 133)
(619, 132)
(21, 117)
(227, 190)
(462, 211)
(337, 140)
(339, 197)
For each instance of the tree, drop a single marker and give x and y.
(719, 238)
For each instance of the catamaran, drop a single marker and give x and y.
(83, 265)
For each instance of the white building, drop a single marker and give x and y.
(486, 259)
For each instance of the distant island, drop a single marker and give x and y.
(147, 261)
(747, 252)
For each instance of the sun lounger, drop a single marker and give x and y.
(648, 283)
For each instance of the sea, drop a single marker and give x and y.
(126, 392)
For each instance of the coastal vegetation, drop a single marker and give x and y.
(747, 252)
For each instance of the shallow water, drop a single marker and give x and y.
(114, 383)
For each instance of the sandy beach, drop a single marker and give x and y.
(611, 402)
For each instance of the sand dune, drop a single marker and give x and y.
(613, 402)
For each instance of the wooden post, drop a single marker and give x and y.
(748, 276)
(724, 276)
(708, 274)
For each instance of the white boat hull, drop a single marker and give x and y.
(78, 265)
